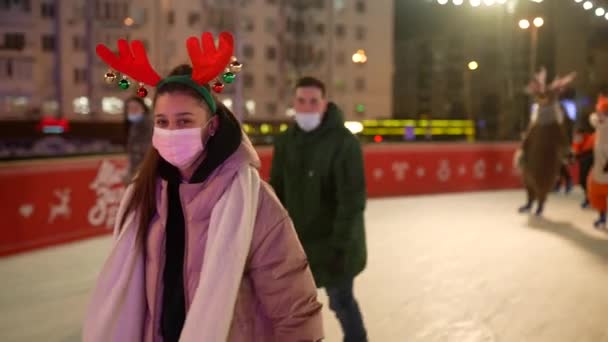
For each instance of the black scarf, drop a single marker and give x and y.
(219, 148)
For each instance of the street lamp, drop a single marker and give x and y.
(524, 24)
(468, 87)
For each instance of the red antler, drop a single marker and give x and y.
(209, 62)
(132, 61)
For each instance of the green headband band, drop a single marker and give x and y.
(187, 80)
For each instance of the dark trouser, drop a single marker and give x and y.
(565, 174)
(585, 163)
(343, 303)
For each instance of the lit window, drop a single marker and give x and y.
(250, 106)
(50, 107)
(112, 105)
(81, 105)
(228, 103)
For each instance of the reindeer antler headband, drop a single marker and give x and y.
(208, 63)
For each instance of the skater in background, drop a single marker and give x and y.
(545, 144)
(565, 178)
(317, 172)
(597, 182)
(139, 133)
(582, 147)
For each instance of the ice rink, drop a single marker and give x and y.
(460, 267)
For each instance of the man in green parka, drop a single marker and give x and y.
(317, 173)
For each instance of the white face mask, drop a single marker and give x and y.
(135, 117)
(179, 147)
(308, 121)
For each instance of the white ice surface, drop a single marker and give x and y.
(461, 267)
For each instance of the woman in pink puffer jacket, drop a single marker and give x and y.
(203, 249)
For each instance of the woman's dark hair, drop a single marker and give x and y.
(125, 114)
(226, 140)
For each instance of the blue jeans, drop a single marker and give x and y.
(343, 303)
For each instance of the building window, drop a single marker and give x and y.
(321, 57)
(248, 51)
(13, 41)
(319, 4)
(81, 105)
(271, 2)
(339, 5)
(79, 43)
(248, 80)
(80, 75)
(125, 10)
(340, 31)
(271, 25)
(5, 70)
(249, 25)
(228, 103)
(271, 80)
(23, 5)
(193, 19)
(250, 107)
(360, 33)
(271, 108)
(360, 84)
(47, 10)
(320, 28)
(271, 53)
(171, 18)
(112, 105)
(340, 86)
(360, 6)
(50, 106)
(48, 42)
(299, 27)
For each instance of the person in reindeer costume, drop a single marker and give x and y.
(597, 182)
(545, 142)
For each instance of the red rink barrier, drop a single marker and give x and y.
(46, 202)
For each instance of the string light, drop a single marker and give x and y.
(588, 5)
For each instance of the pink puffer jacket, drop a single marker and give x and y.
(277, 300)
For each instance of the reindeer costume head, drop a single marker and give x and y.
(546, 107)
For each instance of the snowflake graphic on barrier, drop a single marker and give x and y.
(400, 169)
(444, 172)
(479, 170)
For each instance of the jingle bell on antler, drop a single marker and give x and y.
(208, 63)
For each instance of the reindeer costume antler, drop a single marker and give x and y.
(538, 84)
(208, 63)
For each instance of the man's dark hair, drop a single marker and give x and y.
(311, 82)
